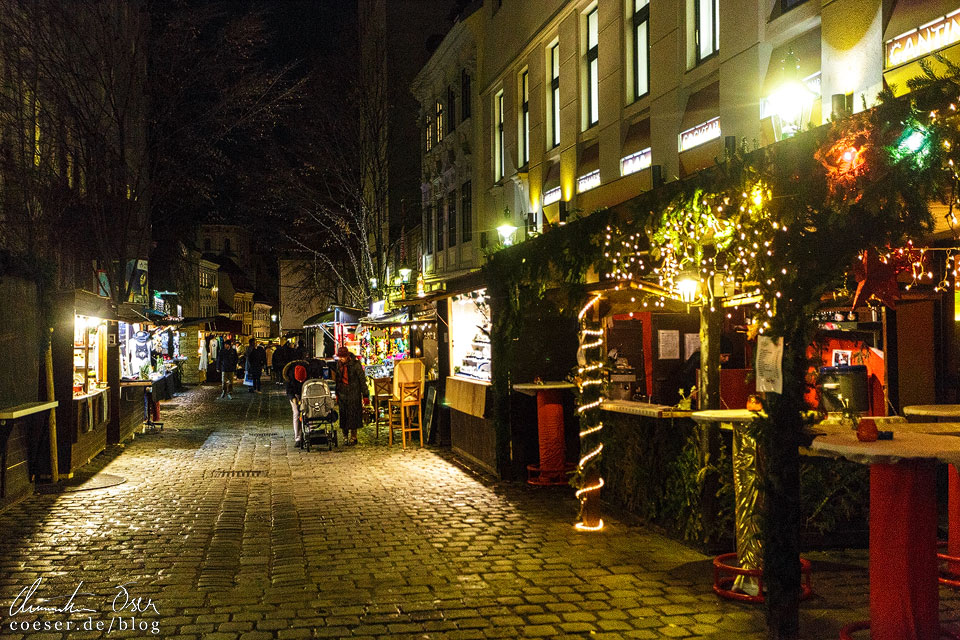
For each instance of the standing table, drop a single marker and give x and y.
(553, 467)
(940, 413)
(904, 595)
(747, 586)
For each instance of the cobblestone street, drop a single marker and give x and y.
(234, 533)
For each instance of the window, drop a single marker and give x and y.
(429, 136)
(452, 219)
(466, 211)
(498, 136)
(555, 95)
(524, 118)
(593, 68)
(464, 94)
(439, 209)
(707, 28)
(428, 230)
(641, 48)
(451, 109)
(439, 121)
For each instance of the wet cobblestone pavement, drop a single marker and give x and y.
(231, 532)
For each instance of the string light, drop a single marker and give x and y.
(591, 382)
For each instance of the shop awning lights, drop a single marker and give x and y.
(551, 196)
(506, 231)
(636, 162)
(588, 181)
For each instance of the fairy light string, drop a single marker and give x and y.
(591, 379)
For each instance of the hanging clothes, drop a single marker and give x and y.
(203, 355)
(214, 348)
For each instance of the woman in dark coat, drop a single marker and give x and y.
(351, 390)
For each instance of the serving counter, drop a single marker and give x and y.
(472, 433)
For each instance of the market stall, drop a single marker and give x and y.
(326, 332)
(472, 433)
(404, 333)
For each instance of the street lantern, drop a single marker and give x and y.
(405, 275)
(506, 231)
(373, 283)
(689, 288)
(273, 317)
(793, 100)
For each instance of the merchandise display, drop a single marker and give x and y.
(470, 350)
(89, 355)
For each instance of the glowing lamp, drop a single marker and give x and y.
(506, 231)
(405, 275)
(373, 283)
(689, 289)
(273, 317)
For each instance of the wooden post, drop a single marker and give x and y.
(52, 423)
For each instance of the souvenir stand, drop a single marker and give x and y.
(85, 333)
(472, 433)
(215, 331)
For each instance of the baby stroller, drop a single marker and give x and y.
(318, 414)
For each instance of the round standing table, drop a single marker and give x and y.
(904, 595)
(746, 586)
(940, 413)
(553, 467)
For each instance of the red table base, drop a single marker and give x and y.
(725, 573)
(553, 468)
(953, 517)
(904, 595)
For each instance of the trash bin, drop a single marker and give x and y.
(849, 383)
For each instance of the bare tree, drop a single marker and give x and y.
(336, 189)
(123, 111)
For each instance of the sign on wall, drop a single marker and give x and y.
(700, 134)
(923, 40)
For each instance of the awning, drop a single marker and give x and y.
(399, 316)
(638, 137)
(917, 29)
(806, 51)
(92, 305)
(589, 160)
(701, 141)
(465, 283)
(222, 324)
(345, 315)
(552, 180)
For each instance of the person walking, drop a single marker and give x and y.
(294, 391)
(280, 359)
(269, 354)
(351, 390)
(256, 360)
(227, 366)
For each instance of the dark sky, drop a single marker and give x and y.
(308, 28)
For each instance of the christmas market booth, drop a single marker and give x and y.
(211, 335)
(830, 260)
(86, 376)
(386, 338)
(326, 332)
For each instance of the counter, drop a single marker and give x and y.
(472, 434)
(644, 409)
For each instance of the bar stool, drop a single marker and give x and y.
(382, 392)
(408, 399)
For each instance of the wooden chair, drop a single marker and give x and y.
(382, 392)
(408, 404)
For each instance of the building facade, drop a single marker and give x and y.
(578, 105)
(209, 287)
(445, 90)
